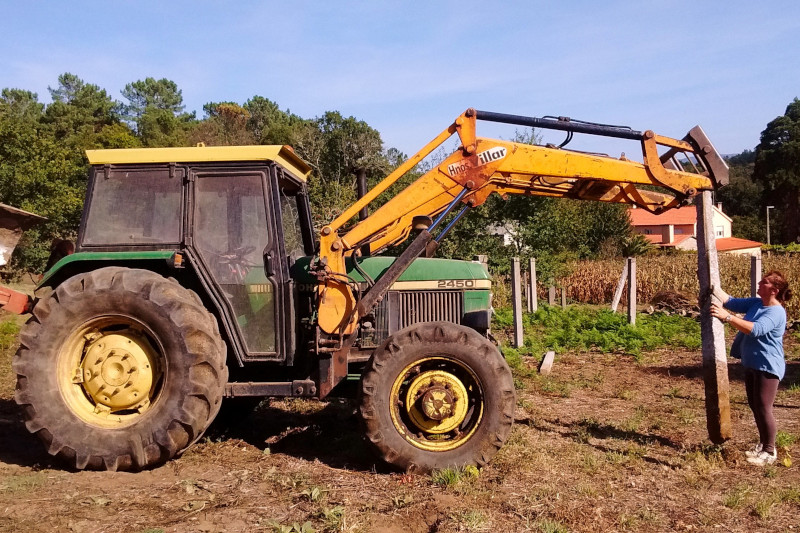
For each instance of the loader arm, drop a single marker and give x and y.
(483, 166)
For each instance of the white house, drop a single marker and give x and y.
(677, 228)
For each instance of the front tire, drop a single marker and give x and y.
(119, 369)
(437, 395)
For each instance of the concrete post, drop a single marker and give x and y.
(551, 295)
(755, 274)
(516, 293)
(620, 285)
(632, 291)
(715, 365)
(533, 301)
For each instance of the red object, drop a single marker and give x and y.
(14, 301)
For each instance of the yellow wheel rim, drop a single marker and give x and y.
(109, 373)
(437, 403)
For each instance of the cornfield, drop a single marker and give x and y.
(594, 281)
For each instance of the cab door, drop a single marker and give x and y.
(234, 234)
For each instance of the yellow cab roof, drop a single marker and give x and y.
(283, 155)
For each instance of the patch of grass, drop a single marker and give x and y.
(553, 387)
(687, 417)
(704, 459)
(634, 422)
(791, 495)
(590, 463)
(313, 494)
(736, 498)
(551, 526)
(617, 458)
(471, 520)
(450, 477)
(9, 329)
(763, 507)
(628, 521)
(23, 482)
(784, 440)
(333, 518)
(580, 433)
(402, 500)
(625, 394)
(674, 392)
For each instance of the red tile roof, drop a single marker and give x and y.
(681, 215)
(735, 243)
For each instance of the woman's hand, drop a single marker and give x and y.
(718, 312)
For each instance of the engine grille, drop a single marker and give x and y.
(401, 309)
(427, 306)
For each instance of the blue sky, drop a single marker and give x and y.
(409, 68)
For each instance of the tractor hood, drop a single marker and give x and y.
(422, 269)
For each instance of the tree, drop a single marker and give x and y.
(38, 174)
(269, 124)
(742, 198)
(337, 147)
(42, 163)
(158, 94)
(155, 111)
(225, 125)
(83, 116)
(777, 168)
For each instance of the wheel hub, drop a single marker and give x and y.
(117, 372)
(436, 401)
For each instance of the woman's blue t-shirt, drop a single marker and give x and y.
(762, 349)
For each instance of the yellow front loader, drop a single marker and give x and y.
(678, 168)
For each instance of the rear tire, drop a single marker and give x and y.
(437, 395)
(119, 369)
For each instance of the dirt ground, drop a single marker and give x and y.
(604, 444)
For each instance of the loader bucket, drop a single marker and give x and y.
(13, 222)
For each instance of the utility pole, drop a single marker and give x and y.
(768, 208)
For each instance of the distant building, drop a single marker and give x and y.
(677, 228)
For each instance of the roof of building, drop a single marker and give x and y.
(735, 243)
(675, 217)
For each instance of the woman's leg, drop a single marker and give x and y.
(766, 388)
(750, 387)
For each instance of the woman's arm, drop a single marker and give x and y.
(745, 326)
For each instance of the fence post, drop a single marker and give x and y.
(533, 301)
(527, 290)
(516, 292)
(620, 285)
(563, 297)
(715, 364)
(755, 274)
(632, 290)
(551, 295)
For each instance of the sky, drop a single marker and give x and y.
(410, 68)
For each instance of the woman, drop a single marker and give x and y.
(761, 349)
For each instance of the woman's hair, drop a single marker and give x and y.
(777, 280)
